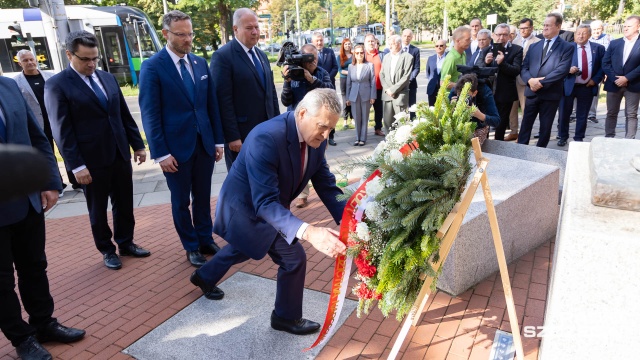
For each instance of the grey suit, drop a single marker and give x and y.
(396, 82)
(30, 97)
(360, 90)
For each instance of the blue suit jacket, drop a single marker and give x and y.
(85, 132)
(244, 101)
(170, 118)
(612, 66)
(253, 207)
(554, 68)
(597, 53)
(22, 129)
(328, 62)
(433, 76)
(415, 52)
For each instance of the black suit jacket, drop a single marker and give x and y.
(243, 100)
(23, 129)
(415, 52)
(508, 70)
(85, 132)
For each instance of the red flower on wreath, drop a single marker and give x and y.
(363, 292)
(365, 268)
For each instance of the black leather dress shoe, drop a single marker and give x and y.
(196, 258)
(54, 331)
(210, 292)
(562, 142)
(112, 261)
(536, 136)
(30, 349)
(209, 249)
(332, 142)
(134, 250)
(301, 326)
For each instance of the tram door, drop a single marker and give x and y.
(113, 52)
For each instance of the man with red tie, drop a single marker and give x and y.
(581, 84)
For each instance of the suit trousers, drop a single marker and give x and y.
(112, 182)
(346, 109)
(292, 262)
(377, 110)
(192, 181)
(504, 110)
(389, 111)
(631, 100)
(594, 104)
(584, 97)
(546, 110)
(22, 244)
(361, 109)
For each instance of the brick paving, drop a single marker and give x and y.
(119, 307)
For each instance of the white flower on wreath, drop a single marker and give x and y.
(373, 211)
(379, 149)
(400, 115)
(362, 231)
(394, 156)
(413, 108)
(404, 134)
(374, 187)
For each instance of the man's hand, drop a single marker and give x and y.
(235, 145)
(83, 177)
(308, 76)
(479, 115)
(499, 58)
(348, 103)
(489, 58)
(591, 83)
(372, 101)
(325, 240)
(285, 73)
(534, 84)
(573, 70)
(140, 156)
(169, 164)
(49, 198)
(621, 81)
(219, 153)
(389, 93)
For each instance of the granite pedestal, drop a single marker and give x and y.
(525, 195)
(592, 304)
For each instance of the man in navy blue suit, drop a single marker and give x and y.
(581, 84)
(326, 60)
(621, 64)
(22, 238)
(278, 159)
(434, 65)
(180, 116)
(244, 83)
(94, 130)
(543, 70)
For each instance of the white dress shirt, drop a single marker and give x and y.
(628, 46)
(305, 225)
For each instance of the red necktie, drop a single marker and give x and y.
(303, 148)
(585, 64)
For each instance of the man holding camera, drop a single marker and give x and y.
(508, 58)
(294, 90)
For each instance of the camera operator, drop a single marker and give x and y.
(314, 77)
(293, 91)
(486, 112)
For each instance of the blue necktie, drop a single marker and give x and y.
(187, 80)
(258, 66)
(98, 91)
(3, 128)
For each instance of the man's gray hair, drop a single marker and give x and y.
(596, 24)
(22, 53)
(240, 13)
(315, 99)
(486, 32)
(394, 39)
(173, 16)
(585, 26)
(409, 30)
(457, 33)
(503, 25)
(317, 34)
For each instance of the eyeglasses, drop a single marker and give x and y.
(182, 35)
(86, 59)
(525, 28)
(439, 45)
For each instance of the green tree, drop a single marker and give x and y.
(536, 10)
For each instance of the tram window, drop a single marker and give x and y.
(146, 43)
(113, 47)
(42, 53)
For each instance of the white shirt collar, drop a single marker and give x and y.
(632, 40)
(83, 76)
(175, 58)
(586, 46)
(246, 49)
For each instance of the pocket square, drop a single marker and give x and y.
(204, 77)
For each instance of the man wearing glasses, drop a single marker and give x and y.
(94, 129)
(525, 39)
(434, 66)
(181, 118)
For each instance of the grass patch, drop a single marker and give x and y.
(129, 90)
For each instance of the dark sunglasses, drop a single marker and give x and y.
(439, 45)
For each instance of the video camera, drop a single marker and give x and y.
(486, 75)
(289, 55)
